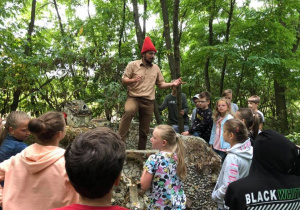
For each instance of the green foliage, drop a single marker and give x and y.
(294, 137)
(110, 101)
(85, 59)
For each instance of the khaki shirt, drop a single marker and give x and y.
(146, 87)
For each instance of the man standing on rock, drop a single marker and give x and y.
(140, 77)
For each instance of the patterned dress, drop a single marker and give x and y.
(167, 188)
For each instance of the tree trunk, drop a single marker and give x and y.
(144, 18)
(139, 33)
(34, 102)
(206, 74)
(173, 54)
(167, 35)
(5, 102)
(230, 15)
(223, 75)
(122, 28)
(176, 41)
(27, 52)
(16, 96)
(210, 43)
(280, 99)
(30, 29)
(296, 45)
(280, 103)
(59, 18)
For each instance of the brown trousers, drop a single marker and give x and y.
(145, 108)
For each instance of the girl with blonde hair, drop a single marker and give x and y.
(221, 114)
(165, 170)
(14, 133)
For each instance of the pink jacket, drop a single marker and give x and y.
(36, 179)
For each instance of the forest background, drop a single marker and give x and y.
(55, 51)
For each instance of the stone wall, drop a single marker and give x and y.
(133, 135)
(203, 170)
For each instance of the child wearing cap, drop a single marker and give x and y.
(195, 99)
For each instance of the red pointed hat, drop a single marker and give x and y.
(148, 45)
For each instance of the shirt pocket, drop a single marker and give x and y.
(138, 72)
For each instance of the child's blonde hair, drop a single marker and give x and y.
(238, 128)
(217, 114)
(254, 99)
(168, 133)
(13, 120)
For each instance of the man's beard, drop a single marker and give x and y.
(149, 61)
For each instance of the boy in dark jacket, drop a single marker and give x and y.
(203, 122)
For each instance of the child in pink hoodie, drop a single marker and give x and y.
(36, 178)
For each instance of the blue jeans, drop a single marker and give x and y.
(196, 134)
(185, 128)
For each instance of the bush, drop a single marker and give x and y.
(294, 137)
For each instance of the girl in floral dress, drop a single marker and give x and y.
(165, 170)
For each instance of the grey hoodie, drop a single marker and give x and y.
(235, 166)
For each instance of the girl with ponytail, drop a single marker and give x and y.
(238, 160)
(251, 120)
(165, 170)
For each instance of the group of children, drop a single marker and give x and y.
(44, 176)
(233, 134)
(34, 176)
(82, 177)
(230, 132)
(208, 124)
